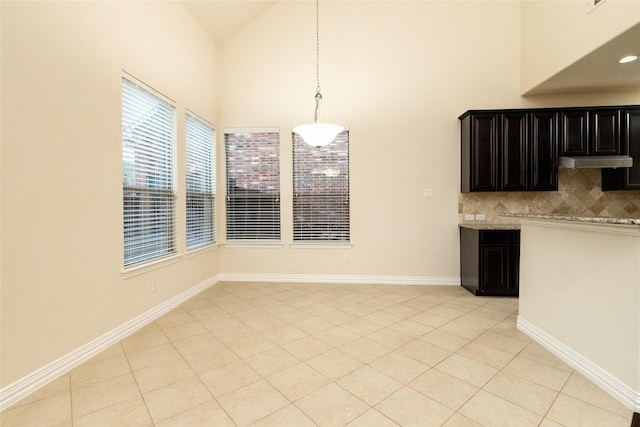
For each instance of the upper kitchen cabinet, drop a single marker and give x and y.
(543, 146)
(590, 132)
(479, 155)
(626, 178)
(508, 150)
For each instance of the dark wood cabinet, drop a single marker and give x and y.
(574, 133)
(509, 150)
(543, 148)
(513, 152)
(518, 149)
(605, 132)
(490, 261)
(480, 153)
(626, 178)
(590, 132)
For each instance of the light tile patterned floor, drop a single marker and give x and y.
(266, 354)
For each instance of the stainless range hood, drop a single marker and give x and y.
(579, 162)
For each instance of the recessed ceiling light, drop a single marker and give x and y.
(628, 58)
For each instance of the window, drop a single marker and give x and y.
(200, 173)
(253, 184)
(148, 174)
(321, 190)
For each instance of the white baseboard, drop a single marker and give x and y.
(23, 387)
(346, 279)
(609, 383)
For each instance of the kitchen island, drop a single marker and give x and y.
(580, 296)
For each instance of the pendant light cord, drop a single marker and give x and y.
(318, 96)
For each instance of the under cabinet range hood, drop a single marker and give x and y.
(599, 162)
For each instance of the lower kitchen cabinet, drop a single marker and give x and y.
(490, 261)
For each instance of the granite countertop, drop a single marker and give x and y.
(491, 226)
(577, 218)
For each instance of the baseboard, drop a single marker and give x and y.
(609, 383)
(25, 386)
(346, 279)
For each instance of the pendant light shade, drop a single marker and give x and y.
(318, 134)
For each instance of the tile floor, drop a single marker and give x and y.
(266, 354)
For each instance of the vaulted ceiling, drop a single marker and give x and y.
(598, 71)
(224, 18)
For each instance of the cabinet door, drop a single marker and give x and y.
(626, 178)
(574, 133)
(605, 132)
(514, 262)
(484, 152)
(494, 268)
(543, 146)
(513, 148)
(469, 258)
(631, 140)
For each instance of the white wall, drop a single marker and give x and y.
(61, 165)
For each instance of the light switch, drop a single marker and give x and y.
(427, 193)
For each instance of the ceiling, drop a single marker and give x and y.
(598, 71)
(223, 18)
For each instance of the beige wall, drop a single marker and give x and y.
(582, 301)
(557, 33)
(398, 74)
(62, 237)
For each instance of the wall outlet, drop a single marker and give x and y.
(154, 285)
(427, 193)
(469, 217)
(346, 258)
(480, 217)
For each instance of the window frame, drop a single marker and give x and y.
(334, 156)
(200, 153)
(253, 208)
(149, 175)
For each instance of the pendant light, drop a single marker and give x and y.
(318, 134)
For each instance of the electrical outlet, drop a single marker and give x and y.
(346, 258)
(480, 217)
(469, 217)
(154, 285)
(427, 193)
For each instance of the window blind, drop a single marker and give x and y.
(253, 184)
(321, 190)
(200, 180)
(148, 180)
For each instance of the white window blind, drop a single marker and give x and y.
(253, 184)
(200, 177)
(148, 180)
(321, 190)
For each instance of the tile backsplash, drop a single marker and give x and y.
(579, 193)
